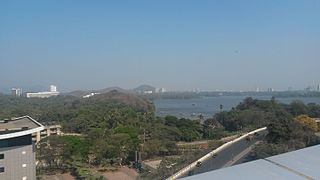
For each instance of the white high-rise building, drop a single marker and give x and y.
(53, 88)
(270, 90)
(160, 90)
(16, 92)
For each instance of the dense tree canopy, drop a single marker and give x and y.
(112, 127)
(288, 128)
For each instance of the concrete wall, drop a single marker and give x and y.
(19, 162)
(47, 131)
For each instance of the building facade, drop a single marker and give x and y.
(53, 92)
(42, 94)
(17, 150)
(17, 92)
(53, 88)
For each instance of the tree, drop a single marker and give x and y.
(314, 110)
(124, 145)
(298, 108)
(308, 122)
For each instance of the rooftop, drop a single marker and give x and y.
(18, 127)
(300, 164)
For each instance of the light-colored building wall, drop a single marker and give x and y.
(19, 163)
(17, 151)
(42, 94)
(53, 88)
(16, 92)
(53, 92)
(47, 131)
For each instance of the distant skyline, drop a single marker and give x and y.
(179, 45)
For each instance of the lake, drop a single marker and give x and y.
(208, 106)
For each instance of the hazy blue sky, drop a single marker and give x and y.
(176, 44)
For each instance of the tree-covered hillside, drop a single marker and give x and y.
(114, 125)
(289, 125)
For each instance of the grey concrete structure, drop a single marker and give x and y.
(300, 164)
(17, 150)
(47, 131)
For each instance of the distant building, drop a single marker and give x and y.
(42, 94)
(313, 88)
(160, 90)
(90, 95)
(53, 88)
(17, 150)
(17, 92)
(270, 90)
(145, 89)
(53, 92)
(147, 92)
(308, 89)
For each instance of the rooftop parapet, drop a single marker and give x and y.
(20, 126)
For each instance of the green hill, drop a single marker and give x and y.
(119, 98)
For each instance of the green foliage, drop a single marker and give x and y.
(190, 130)
(131, 131)
(313, 110)
(76, 146)
(112, 131)
(265, 150)
(298, 108)
(110, 124)
(59, 152)
(214, 133)
(284, 132)
(253, 113)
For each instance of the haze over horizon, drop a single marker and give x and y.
(178, 45)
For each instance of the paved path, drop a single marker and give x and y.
(229, 156)
(240, 156)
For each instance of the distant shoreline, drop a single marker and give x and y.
(208, 106)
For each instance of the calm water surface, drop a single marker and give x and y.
(208, 106)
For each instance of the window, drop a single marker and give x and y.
(17, 141)
(1, 156)
(1, 169)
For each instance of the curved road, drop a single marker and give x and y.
(233, 154)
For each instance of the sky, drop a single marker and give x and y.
(175, 44)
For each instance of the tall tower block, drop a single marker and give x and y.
(53, 88)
